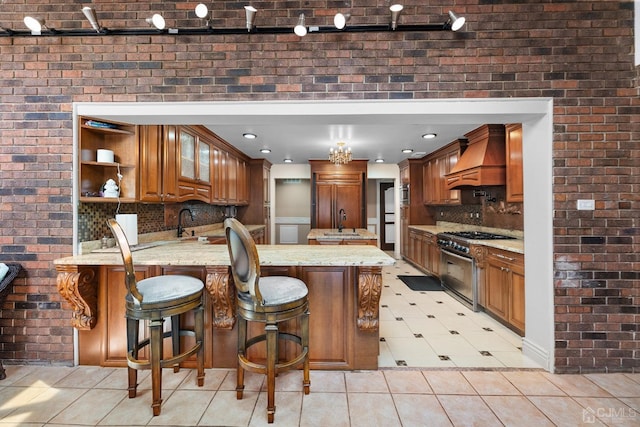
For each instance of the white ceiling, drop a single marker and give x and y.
(307, 130)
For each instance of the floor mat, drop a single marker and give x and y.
(422, 283)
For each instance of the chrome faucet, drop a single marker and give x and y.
(180, 227)
(342, 216)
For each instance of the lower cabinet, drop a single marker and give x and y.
(504, 287)
(423, 251)
(372, 242)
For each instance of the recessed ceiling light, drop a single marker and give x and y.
(407, 150)
(379, 160)
(265, 151)
(249, 135)
(429, 135)
(288, 161)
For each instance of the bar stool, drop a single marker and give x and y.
(152, 300)
(269, 300)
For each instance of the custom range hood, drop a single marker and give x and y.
(483, 162)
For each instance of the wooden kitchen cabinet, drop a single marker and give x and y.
(504, 287)
(436, 166)
(335, 188)
(157, 164)
(515, 182)
(194, 165)
(424, 251)
(415, 211)
(258, 210)
(122, 139)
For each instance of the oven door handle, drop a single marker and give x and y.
(460, 257)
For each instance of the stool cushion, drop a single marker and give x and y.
(168, 288)
(277, 290)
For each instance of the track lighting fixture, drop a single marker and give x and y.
(395, 13)
(91, 16)
(157, 21)
(34, 24)
(251, 16)
(300, 29)
(340, 20)
(455, 22)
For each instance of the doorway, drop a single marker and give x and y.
(387, 216)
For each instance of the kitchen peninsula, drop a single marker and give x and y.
(347, 236)
(344, 282)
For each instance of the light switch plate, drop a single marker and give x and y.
(586, 204)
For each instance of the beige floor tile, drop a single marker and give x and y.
(385, 357)
(474, 361)
(328, 381)
(43, 376)
(415, 352)
(226, 410)
(468, 411)
(533, 383)
(170, 380)
(183, 408)
(17, 399)
(368, 410)
(288, 407)
(632, 402)
(15, 373)
(576, 385)
(213, 379)
(488, 341)
(516, 411)
(406, 382)
(90, 407)
(394, 329)
(325, 409)
(85, 377)
(419, 410)
(611, 411)
(131, 412)
(448, 382)
(619, 385)
(515, 359)
(252, 381)
(118, 379)
(452, 345)
(366, 382)
(564, 411)
(490, 383)
(44, 406)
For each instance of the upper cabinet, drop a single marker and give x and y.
(194, 179)
(121, 139)
(158, 174)
(515, 187)
(436, 165)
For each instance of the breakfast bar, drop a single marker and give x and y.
(344, 283)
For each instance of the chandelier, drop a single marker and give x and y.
(340, 156)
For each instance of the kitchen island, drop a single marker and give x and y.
(344, 284)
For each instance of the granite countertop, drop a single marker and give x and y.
(346, 234)
(514, 245)
(191, 252)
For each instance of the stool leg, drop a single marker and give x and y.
(3, 374)
(175, 339)
(306, 382)
(156, 368)
(272, 348)
(199, 330)
(132, 349)
(242, 351)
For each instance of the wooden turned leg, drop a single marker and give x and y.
(242, 349)
(132, 349)
(306, 381)
(156, 368)
(199, 329)
(272, 355)
(175, 339)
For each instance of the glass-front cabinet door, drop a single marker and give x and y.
(187, 154)
(204, 173)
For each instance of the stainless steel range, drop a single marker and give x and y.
(457, 266)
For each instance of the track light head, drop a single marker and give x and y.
(300, 29)
(340, 20)
(456, 22)
(157, 21)
(34, 24)
(91, 16)
(395, 13)
(251, 16)
(202, 11)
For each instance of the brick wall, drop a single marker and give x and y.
(578, 52)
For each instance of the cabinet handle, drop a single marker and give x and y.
(504, 269)
(504, 257)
